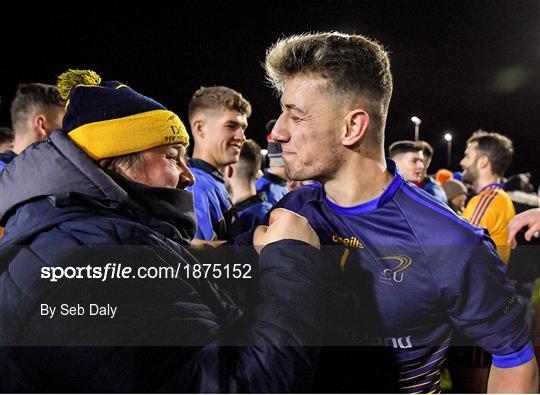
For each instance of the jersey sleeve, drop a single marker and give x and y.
(479, 299)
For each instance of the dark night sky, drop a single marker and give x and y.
(458, 65)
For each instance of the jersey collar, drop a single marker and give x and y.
(493, 184)
(207, 167)
(274, 178)
(372, 205)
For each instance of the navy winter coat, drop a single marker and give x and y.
(179, 335)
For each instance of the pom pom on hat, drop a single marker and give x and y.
(442, 176)
(72, 78)
(109, 119)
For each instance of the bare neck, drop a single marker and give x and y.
(21, 142)
(241, 190)
(199, 153)
(484, 180)
(358, 181)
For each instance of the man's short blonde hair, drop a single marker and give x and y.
(218, 98)
(354, 66)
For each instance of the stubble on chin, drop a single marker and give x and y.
(468, 177)
(294, 173)
(290, 173)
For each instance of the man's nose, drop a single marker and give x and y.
(186, 178)
(240, 134)
(279, 131)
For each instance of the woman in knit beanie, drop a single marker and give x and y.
(96, 276)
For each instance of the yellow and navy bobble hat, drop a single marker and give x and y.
(108, 119)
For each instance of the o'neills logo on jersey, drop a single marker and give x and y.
(347, 241)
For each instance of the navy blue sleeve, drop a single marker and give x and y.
(250, 218)
(259, 215)
(278, 351)
(246, 238)
(479, 298)
(203, 348)
(291, 201)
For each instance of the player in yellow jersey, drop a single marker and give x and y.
(487, 157)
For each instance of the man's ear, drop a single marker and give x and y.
(483, 162)
(356, 122)
(197, 128)
(38, 124)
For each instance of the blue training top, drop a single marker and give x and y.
(211, 201)
(403, 272)
(273, 185)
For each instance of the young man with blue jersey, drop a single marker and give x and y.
(218, 117)
(404, 271)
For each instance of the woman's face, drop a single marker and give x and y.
(162, 166)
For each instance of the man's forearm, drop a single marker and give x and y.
(520, 379)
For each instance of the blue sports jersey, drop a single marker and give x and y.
(211, 201)
(274, 187)
(403, 271)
